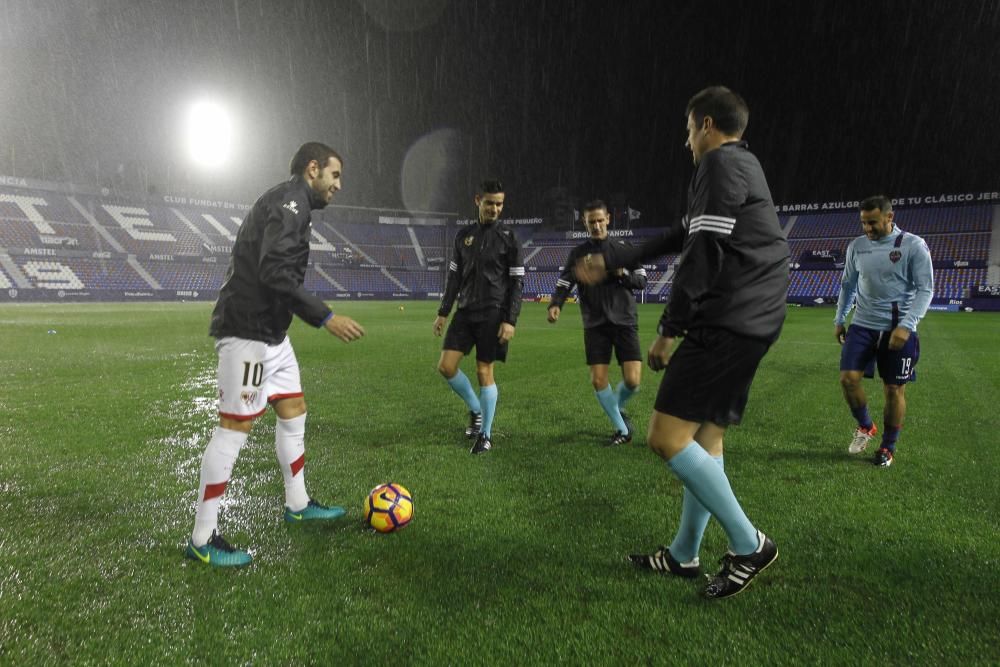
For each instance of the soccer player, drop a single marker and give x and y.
(257, 365)
(728, 304)
(891, 275)
(610, 321)
(485, 274)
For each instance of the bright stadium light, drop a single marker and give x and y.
(208, 134)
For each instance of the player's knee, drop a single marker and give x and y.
(240, 425)
(598, 383)
(658, 443)
(290, 408)
(894, 390)
(659, 447)
(447, 370)
(849, 382)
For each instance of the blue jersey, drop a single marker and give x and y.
(892, 278)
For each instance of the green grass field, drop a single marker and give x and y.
(515, 557)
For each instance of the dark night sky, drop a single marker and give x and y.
(560, 99)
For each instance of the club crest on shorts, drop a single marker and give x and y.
(894, 256)
(468, 240)
(248, 397)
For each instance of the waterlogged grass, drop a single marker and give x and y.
(515, 557)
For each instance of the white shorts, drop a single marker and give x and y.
(252, 374)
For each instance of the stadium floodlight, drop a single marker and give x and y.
(208, 134)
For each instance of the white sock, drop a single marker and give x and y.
(290, 446)
(216, 469)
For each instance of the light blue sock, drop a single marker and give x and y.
(461, 386)
(609, 402)
(710, 486)
(694, 518)
(624, 393)
(488, 399)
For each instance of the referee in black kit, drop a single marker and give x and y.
(610, 321)
(728, 304)
(486, 275)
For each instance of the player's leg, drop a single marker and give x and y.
(631, 376)
(488, 395)
(239, 375)
(608, 401)
(897, 368)
(694, 515)
(856, 355)
(598, 343)
(629, 354)
(457, 343)
(708, 380)
(892, 423)
(488, 351)
(283, 386)
(460, 384)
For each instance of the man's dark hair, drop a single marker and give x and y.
(727, 110)
(309, 151)
(880, 202)
(595, 205)
(491, 186)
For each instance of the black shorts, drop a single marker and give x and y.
(598, 341)
(708, 377)
(477, 330)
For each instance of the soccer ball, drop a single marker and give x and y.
(388, 507)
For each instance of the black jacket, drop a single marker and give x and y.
(486, 272)
(610, 302)
(263, 286)
(733, 269)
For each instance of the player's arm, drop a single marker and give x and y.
(515, 287)
(277, 264)
(717, 193)
(453, 283)
(671, 240)
(845, 300)
(633, 276)
(922, 274)
(591, 269)
(564, 285)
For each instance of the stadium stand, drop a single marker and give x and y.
(78, 242)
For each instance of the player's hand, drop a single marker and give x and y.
(898, 338)
(554, 314)
(344, 328)
(439, 323)
(840, 333)
(659, 353)
(505, 333)
(590, 269)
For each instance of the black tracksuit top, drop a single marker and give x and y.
(609, 302)
(263, 287)
(733, 270)
(486, 273)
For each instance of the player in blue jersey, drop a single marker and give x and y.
(889, 277)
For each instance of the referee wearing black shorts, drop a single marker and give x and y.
(728, 304)
(610, 321)
(486, 276)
